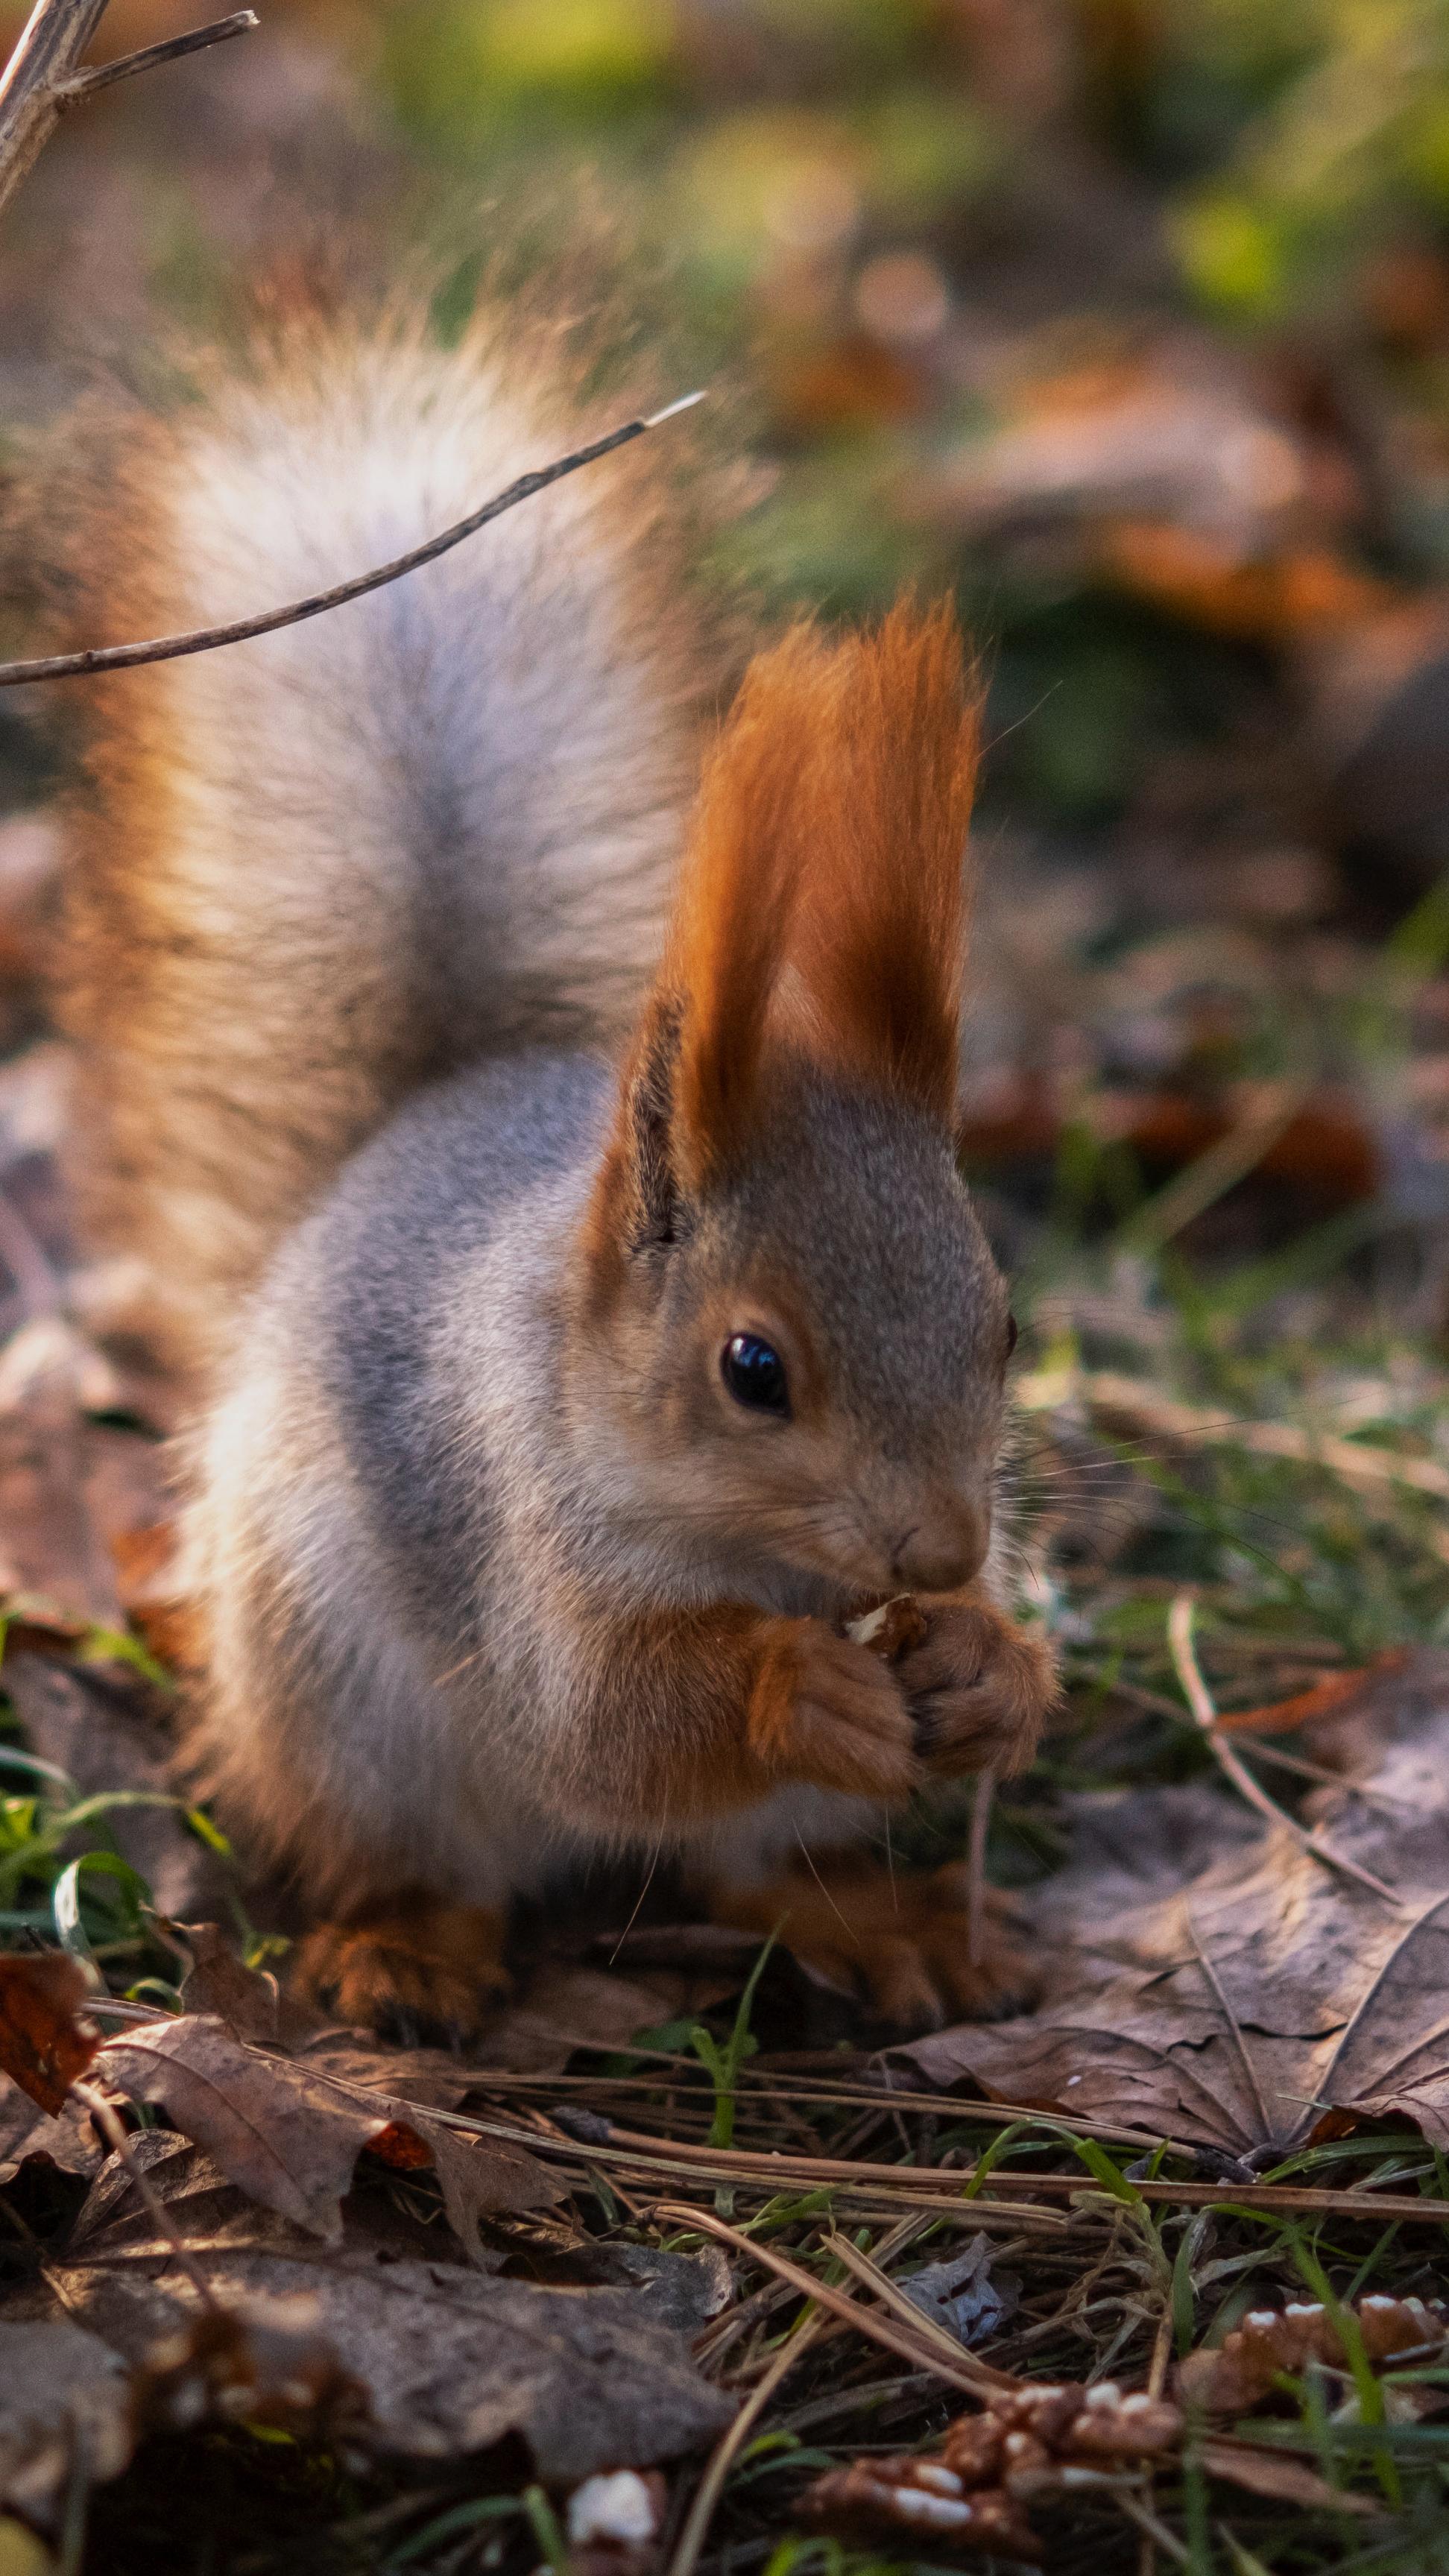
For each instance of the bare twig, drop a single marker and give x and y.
(148, 57)
(43, 76)
(1199, 1699)
(976, 1866)
(962, 2369)
(112, 2128)
(731, 2443)
(871, 2277)
(206, 639)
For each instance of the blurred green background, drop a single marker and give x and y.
(1126, 320)
(1128, 317)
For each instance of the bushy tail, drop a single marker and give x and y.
(313, 871)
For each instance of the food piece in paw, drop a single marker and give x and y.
(891, 1628)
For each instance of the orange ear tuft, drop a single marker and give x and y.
(881, 921)
(830, 839)
(821, 907)
(731, 929)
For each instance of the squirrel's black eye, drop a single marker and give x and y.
(1010, 1335)
(755, 1374)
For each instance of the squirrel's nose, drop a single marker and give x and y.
(944, 1549)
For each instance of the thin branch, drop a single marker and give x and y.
(1199, 1699)
(963, 2372)
(731, 2443)
(112, 2128)
(55, 36)
(43, 76)
(101, 75)
(206, 639)
(976, 1866)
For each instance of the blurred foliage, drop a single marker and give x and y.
(914, 235)
(885, 218)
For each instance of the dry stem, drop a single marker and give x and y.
(43, 78)
(206, 639)
(1199, 1699)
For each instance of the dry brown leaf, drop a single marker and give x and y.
(1220, 1986)
(49, 1547)
(289, 2138)
(130, 1491)
(479, 2177)
(1279, 2476)
(65, 2139)
(249, 2000)
(567, 2007)
(289, 2130)
(1323, 1699)
(451, 2361)
(45, 2039)
(680, 2290)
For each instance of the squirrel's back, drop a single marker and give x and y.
(316, 870)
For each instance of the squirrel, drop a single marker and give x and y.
(581, 1312)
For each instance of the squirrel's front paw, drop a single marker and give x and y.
(978, 1688)
(827, 1711)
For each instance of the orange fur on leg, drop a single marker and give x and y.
(410, 1968)
(902, 1945)
(695, 1713)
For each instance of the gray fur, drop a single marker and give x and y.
(397, 1500)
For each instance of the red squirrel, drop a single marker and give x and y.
(582, 1315)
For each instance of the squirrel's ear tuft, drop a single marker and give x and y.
(824, 902)
(821, 910)
(880, 934)
(731, 934)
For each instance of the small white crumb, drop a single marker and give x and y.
(613, 2506)
(863, 1630)
(1106, 2393)
(935, 2475)
(937, 2512)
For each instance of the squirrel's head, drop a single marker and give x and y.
(794, 1327)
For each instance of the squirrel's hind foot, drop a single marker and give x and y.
(902, 1944)
(412, 1970)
